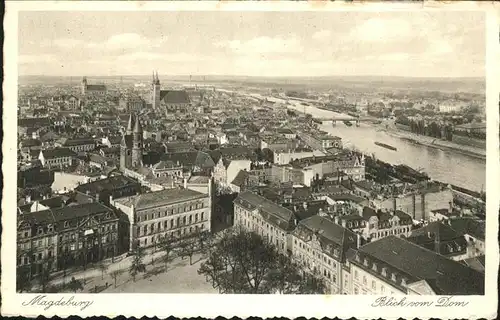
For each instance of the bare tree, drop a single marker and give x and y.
(103, 267)
(115, 274)
(167, 245)
(137, 265)
(188, 248)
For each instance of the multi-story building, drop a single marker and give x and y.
(174, 212)
(319, 246)
(117, 186)
(76, 145)
(57, 157)
(374, 225)
(271, 221)
(394, 266)
(70, 235)
(288, 155)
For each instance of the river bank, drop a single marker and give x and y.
(436, 143)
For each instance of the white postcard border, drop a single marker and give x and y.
(205, 305)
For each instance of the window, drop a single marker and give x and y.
(364, 279)
(190, 219)
(374, 285)
(196, 217)
(356, 274)
(202, 214)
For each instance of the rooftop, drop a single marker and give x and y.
(161, 198)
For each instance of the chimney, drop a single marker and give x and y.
(358, 240)
(185, 183)
(450, 207)
(437, 241)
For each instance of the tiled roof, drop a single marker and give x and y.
(448, 240)
(413, 263)
(330, 233)
(174, 96)
(161, 198)
(240, 178)
(473, 227)
(96, 87)
(108, 184)
(270, 211)
(58, 153)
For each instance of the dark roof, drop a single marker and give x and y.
(109, 184)
(444, 275)
(33, 122)
(240, 179)
(161, 198)
(473, 227)
(174, 96)
(190, 159)
(96, 87)
(58, 153)
(329, 233)
(270, 211)
(75, 142)
(385, 215)
(439, 237)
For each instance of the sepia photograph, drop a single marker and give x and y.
(250, 152)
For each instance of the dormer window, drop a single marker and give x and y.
(39, 230)
(50, 228)
(403, 282)
(374, 267)
(336, 252)
(384, 271)
(66, 224)
(365, 262)
(358, 258)
(393, 277)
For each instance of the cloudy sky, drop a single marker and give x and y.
(421, 44)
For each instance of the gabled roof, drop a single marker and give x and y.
(270, 211)
(330, 233)
(473, 227)
(240, 179)
(445, 276)
(174, 96)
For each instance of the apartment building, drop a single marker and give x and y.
(271, 221)
(174, 212)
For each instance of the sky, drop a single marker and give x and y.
(409, 44)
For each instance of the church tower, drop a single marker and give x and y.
(126, 146)
(137, 144)
(84, 85)
(155, 91)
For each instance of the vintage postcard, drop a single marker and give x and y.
(250, 159)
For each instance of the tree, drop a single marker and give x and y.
(115, 274)
(167, 245)
(239, 263)
(188, 248)
(103, 267)
(23, 282)
(137, 265)
(75, 285)
(285, 277)
(44, 275)
(64, 262)
(312, 284)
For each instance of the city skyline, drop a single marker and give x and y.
(263, 44)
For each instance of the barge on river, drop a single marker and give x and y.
(380, 144)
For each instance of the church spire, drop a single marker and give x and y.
(157, 80)
(154, 79)
(129, 127)
(137, 127)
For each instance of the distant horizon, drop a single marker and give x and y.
(257, 76)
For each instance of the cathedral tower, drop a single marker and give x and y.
(155, 91)
(137, 144)
(126, 146)
(84, 85)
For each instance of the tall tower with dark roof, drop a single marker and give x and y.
(84, 86)
(126, 146)
(137, 144)
(155, 91)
